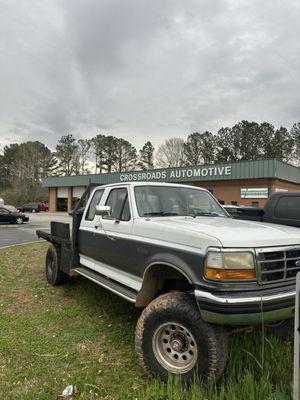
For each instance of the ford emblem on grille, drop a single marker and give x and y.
(297, 263)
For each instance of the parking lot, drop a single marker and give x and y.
(25, 233)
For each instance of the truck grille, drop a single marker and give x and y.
(277, 264)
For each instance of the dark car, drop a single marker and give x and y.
(31, 207)
(10, 217)
(281, 208)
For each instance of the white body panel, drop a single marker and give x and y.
(129, 280)
(174, 232)
(202, 232)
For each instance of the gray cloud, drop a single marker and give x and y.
(145, 70)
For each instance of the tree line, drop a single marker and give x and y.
(243, 141)
(24, 165)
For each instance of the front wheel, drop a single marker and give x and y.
(171, 338)
(54, 275)
(19, 221)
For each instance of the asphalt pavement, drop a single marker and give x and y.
(25, 233)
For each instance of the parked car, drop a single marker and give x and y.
(44, 206)
(10, 217)
(174, 251)
(281, 208)
(31, 207)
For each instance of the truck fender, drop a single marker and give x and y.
(154, 277)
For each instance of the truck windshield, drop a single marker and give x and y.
(163, 201)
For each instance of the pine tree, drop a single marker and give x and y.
(200, 148)
(146, 156)
(66, 153)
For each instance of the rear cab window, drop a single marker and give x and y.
(288, 207)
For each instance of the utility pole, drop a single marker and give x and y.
(297, 341)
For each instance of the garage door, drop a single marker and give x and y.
(62, 192)
(78, 191)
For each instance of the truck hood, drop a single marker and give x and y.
(234, 233)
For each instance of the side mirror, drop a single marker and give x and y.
(103, 211)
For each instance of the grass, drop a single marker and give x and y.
(81, 334)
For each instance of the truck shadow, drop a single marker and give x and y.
(94, 298)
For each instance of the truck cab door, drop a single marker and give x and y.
(87, 232)
(117, 227)
(104, 242)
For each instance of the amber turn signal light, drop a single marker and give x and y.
(229, 274)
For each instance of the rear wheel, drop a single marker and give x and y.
(171, 338)
(54, 275)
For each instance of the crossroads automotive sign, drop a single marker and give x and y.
(174, 174)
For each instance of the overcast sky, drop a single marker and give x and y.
(145, 69)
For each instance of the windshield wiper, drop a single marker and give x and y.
(159, 214)
(209, 213)
(171, 214)
(189, 215)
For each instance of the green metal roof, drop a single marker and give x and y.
(209, 172)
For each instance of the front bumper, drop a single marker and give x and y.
(251, 308)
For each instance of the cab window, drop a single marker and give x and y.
(91, 212)
(119, 205)
(288, 207)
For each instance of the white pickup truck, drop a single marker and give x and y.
(174, 251)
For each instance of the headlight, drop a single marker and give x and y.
(228, 266)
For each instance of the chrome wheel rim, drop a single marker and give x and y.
(175, 347)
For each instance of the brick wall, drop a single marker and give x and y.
(230, 190)
(52, 199)
(70, 199)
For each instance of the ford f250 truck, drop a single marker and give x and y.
(175, 252)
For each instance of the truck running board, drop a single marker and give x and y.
(115, 287)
